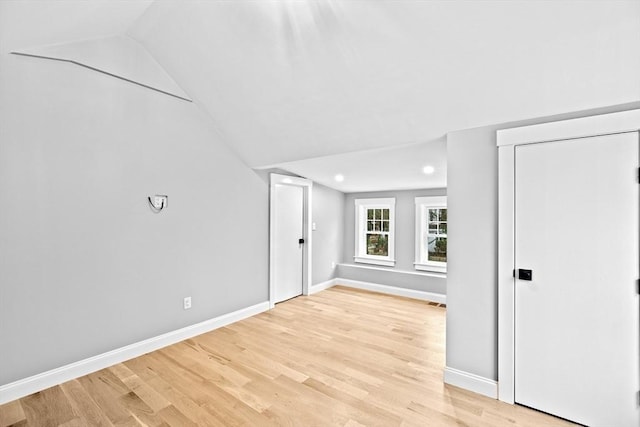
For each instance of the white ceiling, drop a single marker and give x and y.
(302, 85)
(380, 169)
(32, 23)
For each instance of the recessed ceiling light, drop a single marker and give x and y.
(339, 177)
(428, 170)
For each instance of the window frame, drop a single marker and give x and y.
(423, 204)
(361, 207)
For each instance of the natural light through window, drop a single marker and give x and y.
(431, 233)
(375, 231)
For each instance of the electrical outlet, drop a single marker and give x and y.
(333, 265)
(187, 303)
(313, 226)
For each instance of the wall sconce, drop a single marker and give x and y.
(158, 202)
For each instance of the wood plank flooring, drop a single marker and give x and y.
(342, 357)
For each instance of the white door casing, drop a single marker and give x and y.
(289, 220)
(507, 140)
(577, 334)
(287, 249)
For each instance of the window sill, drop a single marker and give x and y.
(393, 270)
(374, 261)
(429, 267)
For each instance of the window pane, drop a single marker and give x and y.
(433, 214)
(369, 213)
(433, 228)
(377, 244)
(369, 225)
(437, 249)
(385, 213)
(385, 225)
(442, 228)
(376, 225)
(443, 214)
(378, 214)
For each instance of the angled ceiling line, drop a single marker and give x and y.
(211, 120)
(100, 71)
(365, 151)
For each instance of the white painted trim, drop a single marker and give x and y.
(289, 180)
(374, 261)
(506, 281)
(507, 140)
(29, 385)
(604, 124)
(307, 186)
(383, 289)
(471, 382)
(388, 270)
(322, 286)
(392, 290)
(361, 205)
(430, 267)
(422, 204)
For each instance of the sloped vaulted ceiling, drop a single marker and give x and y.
(289, 80)
(27, 23)
(305, 84)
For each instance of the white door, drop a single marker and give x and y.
(288, 251)
(577, 335)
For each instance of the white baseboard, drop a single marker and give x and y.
(321, 286)
(392, 290)
(471, 382)
(38, 382)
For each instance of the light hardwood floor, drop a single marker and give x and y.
(341, 357)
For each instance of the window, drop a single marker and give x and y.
(431, 234)
(375, 231)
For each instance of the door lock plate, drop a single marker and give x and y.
(525, 274)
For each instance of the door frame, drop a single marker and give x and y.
(507, 140)
(307, 186)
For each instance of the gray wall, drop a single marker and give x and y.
(404, 244)
(85, 266)
(419, 281)
(472, 186)
(472, 294)
(328, 211)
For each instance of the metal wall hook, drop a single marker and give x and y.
(158, 203)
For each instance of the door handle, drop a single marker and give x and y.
(524, 274)
(301, 241)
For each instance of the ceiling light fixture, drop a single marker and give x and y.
(339, 177)
(428, 170)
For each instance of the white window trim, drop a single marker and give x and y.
(422, 204)
(360, 230)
